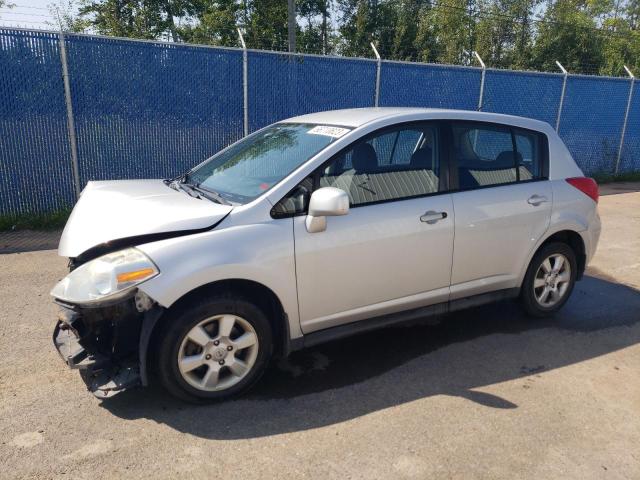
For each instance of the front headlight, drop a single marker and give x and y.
(108, 277)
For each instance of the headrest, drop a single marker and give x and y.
(421, 158)
(506, 159)
(364, 158)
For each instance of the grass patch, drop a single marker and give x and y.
(621, 177)
(35, 221)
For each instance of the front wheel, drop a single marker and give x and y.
(549, 280)
(214, 349)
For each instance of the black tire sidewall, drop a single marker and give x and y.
(179, 322)
(531, 305)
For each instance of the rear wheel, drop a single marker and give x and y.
(214, 349)
(549, 279)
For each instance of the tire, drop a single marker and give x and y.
(194, 335)
(536, 278)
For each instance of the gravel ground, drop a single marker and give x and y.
(484, 394)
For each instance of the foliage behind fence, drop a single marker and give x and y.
(149, 110)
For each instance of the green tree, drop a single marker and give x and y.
(150, 19)
(523, 12)
(632, 13)
(65, 17)
(568, 34)
(358, 26)
(445, 32)
(592, 36)
(313, 33)
(621, 46)
(504, 32)
(495, 34)
(217, 23)
(265, 22)
(405, 29)
(390, 24)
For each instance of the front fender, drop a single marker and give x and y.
(261, 252)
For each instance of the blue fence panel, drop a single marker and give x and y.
(630, 161)
(437, 86)
(283, 85)
(35, 163)
(526, 94)
(151, 110)
(592, 117)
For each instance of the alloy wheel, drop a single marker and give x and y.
(552, 280)
(218, 352)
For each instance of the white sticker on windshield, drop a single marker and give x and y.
(335, 132)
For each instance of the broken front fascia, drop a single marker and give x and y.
(108, 343)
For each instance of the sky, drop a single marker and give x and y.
(29, 14)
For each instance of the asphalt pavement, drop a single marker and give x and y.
(486, 393)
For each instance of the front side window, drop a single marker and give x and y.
(396, 164)
(253, 165)
(296, 201)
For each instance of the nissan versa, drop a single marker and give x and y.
(311, 229)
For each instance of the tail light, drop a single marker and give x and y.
(588, 186)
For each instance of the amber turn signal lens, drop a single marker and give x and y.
(133, 276)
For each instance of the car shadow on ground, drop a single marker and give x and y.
(356, 376)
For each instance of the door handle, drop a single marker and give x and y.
(536, 200)
(432, 217)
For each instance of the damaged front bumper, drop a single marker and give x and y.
(107, 344)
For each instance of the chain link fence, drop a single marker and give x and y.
(419, 85)
(143, 109)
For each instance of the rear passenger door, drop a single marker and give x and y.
(502, 204)
(393, 250)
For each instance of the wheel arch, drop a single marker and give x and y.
(257, 292)
(568, 236)
(575, 241)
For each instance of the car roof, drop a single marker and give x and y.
(357, 117)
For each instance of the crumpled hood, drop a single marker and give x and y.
(116, 210)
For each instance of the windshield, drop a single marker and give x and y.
(253, 165)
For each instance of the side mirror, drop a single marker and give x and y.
(325, 202)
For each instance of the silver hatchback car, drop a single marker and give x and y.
(314, 228)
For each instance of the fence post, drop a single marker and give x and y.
(626, 117)
(484, 71)
(564, 88)
(245, 86)
(71, 128)
(379, 61)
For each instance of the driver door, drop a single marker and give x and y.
(393, 250)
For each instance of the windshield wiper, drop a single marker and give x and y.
(210, 194)
(190, 190)
(185, 187)
(196, 191)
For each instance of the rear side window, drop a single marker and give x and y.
(493, 155)
(484, 156)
